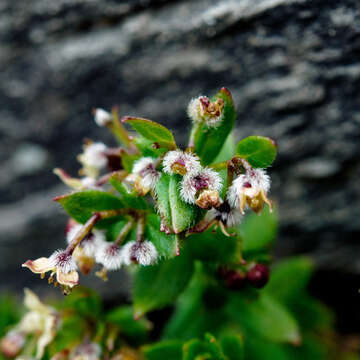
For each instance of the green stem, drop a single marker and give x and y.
(119, 131)
(124, 232)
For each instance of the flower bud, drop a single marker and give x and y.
(201, 109)
(102, 117)
(12, 343)
(179, 162)
(142, 252)
(109, 255)
(258, 276)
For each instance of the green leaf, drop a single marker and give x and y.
(128, 160)
(152, 131)
(9, 312)
(85, 302)
(210, 141)
(165, 244)
(265, 317)
(192, 316)
(203, 349)
(177, 215)
(233, 346)
(295, 273)
(216, 248)
(259, 151)
(123, 317)
(81, 205)
(147, 147)
(171, 350)
(183, 215)
(228, 149)
(159, 285)
(162, 199)
(259, 349)
(131, 200)
(258, 232)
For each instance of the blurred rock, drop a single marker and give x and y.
(292, 65)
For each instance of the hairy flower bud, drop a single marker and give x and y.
(179, 162)
(102, 117)
(143, 252)
(144, 175)
(250, 188)
(194, 184)
(201, 109)
(109, 255)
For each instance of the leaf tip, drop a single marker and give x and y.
(59, 197)
(124, 119)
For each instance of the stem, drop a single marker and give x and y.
(124, 232)
(83, 232)
(88, 226)
(140, 229)
(219, 166)
(191, 145)
(118, 129)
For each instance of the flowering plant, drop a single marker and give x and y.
(176, 218)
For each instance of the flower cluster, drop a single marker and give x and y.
(187, 191)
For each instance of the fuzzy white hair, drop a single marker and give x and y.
(188, 184)
(191, 161)
(257, 178)
(62, 261)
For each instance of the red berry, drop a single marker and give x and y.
(258, 276)
(235, 280)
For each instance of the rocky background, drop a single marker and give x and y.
(292, 66)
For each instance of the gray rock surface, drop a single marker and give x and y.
(292, 66)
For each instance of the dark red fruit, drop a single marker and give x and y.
(235, 280)
(258, 276)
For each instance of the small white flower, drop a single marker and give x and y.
(180, 162)
(250, 188)
(143, 252)
(86, 351)
(63, 261)
(202, 110)
(90, 183)
(102, 117)
(109, 255)
(144, 175)
(192, 184)
(93, 155)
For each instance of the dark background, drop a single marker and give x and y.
(292, 66)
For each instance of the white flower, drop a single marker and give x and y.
(41, 320)
(60, 263)
(93, 155)
(143, 252)
(202, 110)
(102, 117)
(180, 162)
(90, 183)
(250, 188)
(206, 182)
(86, 351)
(144, 175)
(109, 255)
